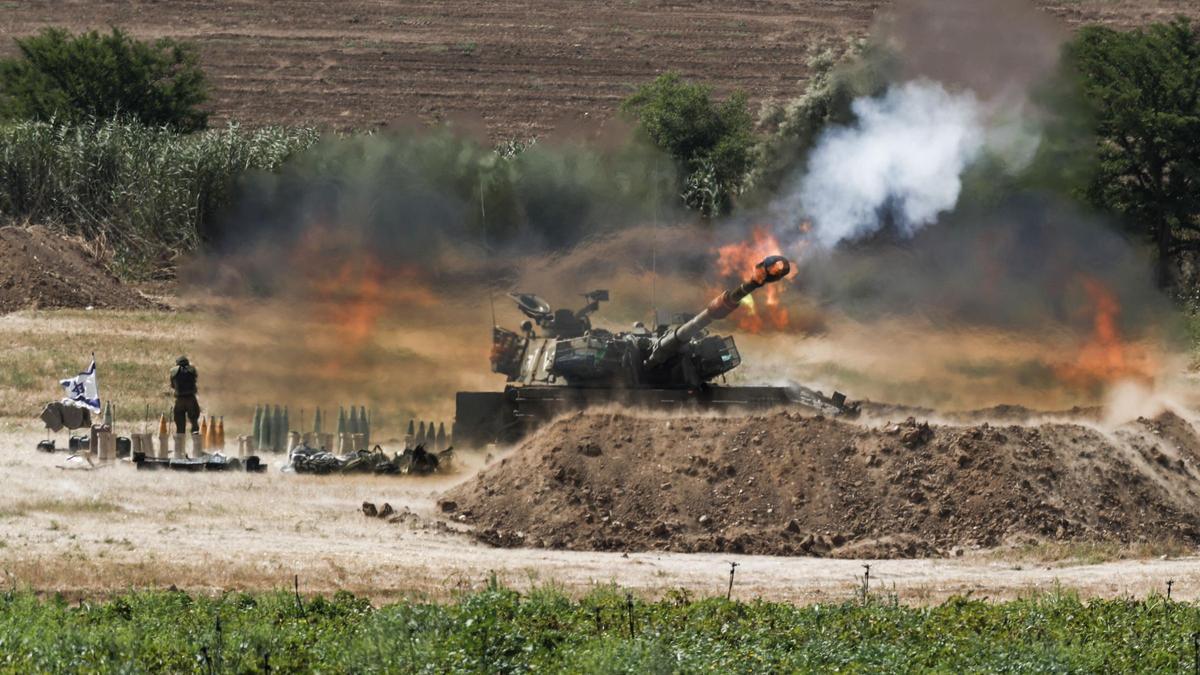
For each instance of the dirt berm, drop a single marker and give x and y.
(42, 270)
(789, 484)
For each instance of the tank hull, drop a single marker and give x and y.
(482, 418)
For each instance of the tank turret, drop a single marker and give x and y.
(569, 352)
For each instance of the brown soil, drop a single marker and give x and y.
(524, 67)
(102, 532)
(41, 270)
(787, 484)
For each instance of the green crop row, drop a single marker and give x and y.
(501, 630)
(144, 193)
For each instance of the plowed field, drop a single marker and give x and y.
(522, 67)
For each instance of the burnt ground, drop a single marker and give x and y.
(788, 484)
(524, 68)
(43, 270)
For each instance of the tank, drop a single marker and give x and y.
(557, 362)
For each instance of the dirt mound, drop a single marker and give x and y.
(41, 270)
(795, 485)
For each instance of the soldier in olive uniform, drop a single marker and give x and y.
(183, 382)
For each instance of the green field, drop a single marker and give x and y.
(500, 630)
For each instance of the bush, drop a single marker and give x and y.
(150, 195)
(709, 141)
(145, 192)
(92, 76)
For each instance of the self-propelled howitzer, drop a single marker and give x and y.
(559, 362)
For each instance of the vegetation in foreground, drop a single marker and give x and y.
(501, 630)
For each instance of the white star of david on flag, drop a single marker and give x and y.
(82, 390)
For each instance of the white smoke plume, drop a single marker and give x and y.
(903, 159)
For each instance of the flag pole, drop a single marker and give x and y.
(96, 379)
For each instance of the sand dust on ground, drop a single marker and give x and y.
(108, 530)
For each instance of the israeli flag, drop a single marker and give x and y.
(82, 390)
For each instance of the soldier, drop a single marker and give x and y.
(183, 382)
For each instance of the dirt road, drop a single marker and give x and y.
(88, 532)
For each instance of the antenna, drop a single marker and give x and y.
(486, 251)
(654, 254)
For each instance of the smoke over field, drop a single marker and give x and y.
(936, 272)
(368, 270)
(371, 270)
(905, 156)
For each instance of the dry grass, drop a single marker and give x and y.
(1092, 553)
(250, 356)
(134, 351)
(114, 528)
(87, 533)
(68, 507)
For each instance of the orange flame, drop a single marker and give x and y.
(1105, 357)
(349, 302)
(350, 291)
(763, 310)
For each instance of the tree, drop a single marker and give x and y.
(1144, 89)
(72, 78)
(711, 142)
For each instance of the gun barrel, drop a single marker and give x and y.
(771, 269)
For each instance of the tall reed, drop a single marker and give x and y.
(145, 193)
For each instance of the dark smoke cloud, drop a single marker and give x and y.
(902, 247)
(914, 209)
(383, 271)
(376, 265)
(1013, 265)
(416, 197)
(994, 48)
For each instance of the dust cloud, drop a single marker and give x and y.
(372, 269)
(368, 272)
